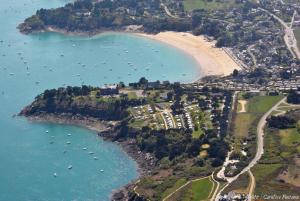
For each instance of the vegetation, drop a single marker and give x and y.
(208, 4)
(81, 101)
(244, 128)
(281, 122)
(278, 169)
(89, 16)
(200, 189)
(171, 124)
(293, 97)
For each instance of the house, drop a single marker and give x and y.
(111, 89)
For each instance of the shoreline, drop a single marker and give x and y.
(105, 130)
(211, 61)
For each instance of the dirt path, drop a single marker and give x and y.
(216, 189)
(252, 185)
(243, 106)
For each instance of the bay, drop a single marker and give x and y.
(29, 64)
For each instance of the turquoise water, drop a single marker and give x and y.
(30, 64)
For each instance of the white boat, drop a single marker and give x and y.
(70, 167)
(101, 170)
(69, 134)
(47, 131)
(91, 153)
(84, 148)
(68, 142)
(55, 175)
(95, 158)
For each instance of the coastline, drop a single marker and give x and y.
(211, 61)
(106, 131)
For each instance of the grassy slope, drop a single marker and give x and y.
(195, 191)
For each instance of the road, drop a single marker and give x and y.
(249, 50)
(260, 146)
(168, 11)
(289, 36)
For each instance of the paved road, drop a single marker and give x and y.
(260, 145)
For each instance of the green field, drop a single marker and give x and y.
(281, 147)
(200, 190)
(177, 184)
(297, 35)
(208, 5)
(289, 137)
(256, 107)
(195, 191)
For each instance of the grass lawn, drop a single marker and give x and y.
(297, 35)
(132, 95)
(256, 107)
(261, 104)
(177, 184)
(208, 5)
(200, 189)
(137, 123)
(242, 124)
(263, 171)
(194, 191)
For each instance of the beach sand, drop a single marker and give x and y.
(211, 60)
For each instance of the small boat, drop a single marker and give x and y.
(55, 175)
(91, 153)
(68, 142)
(101, 170)
(95, 158)
(47, 131)
(84, 148)
(69, 134)
(70, 167)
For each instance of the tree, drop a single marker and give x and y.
(281, 122)
(293, 97)
(235, 73)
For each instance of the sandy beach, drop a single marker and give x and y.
(211, 60)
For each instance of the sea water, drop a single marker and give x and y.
(34, 157)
